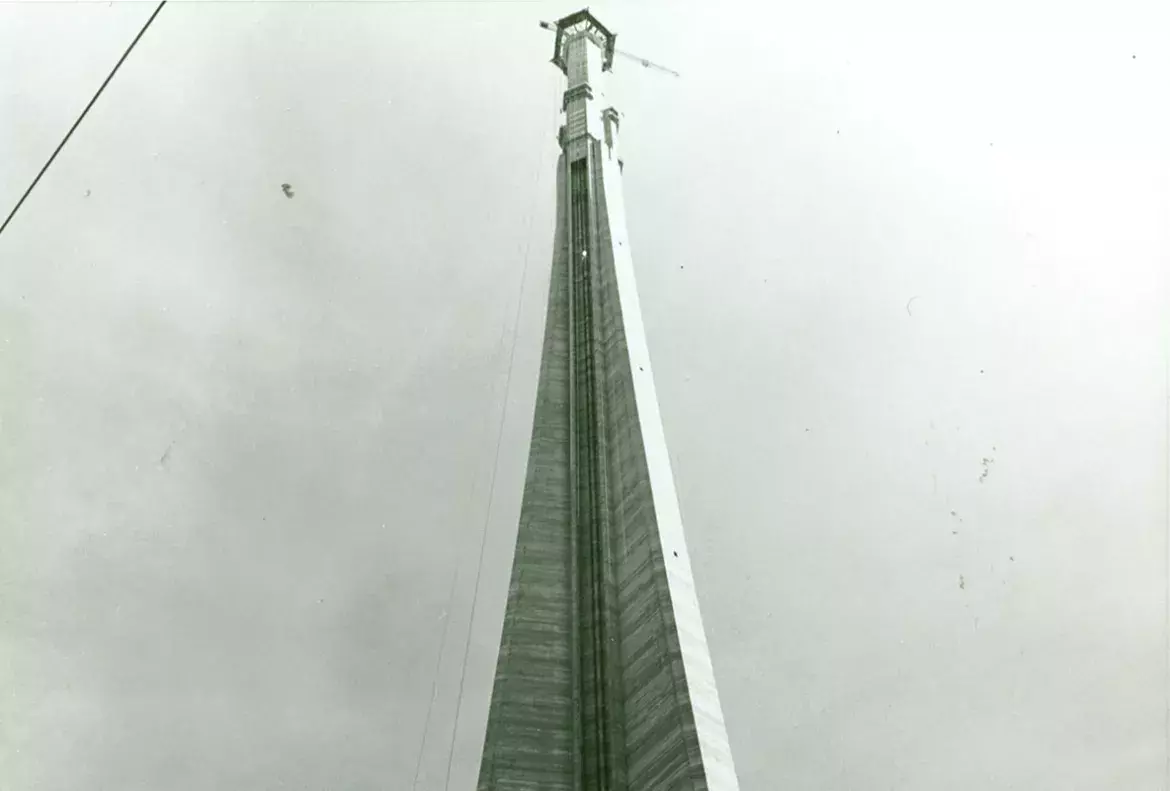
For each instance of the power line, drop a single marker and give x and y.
(81, 117)
(447, 610)
(454, 580)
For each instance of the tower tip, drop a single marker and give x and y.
(582, 21)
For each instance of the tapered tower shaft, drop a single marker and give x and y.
(604, 680)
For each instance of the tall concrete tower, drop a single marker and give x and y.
(604, 681)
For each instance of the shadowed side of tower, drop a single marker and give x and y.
(604, 679)
(531, 739)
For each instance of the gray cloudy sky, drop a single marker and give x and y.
(247, 442)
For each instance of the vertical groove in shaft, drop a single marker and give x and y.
(609, 659)
(597, 679)
(574, 543)
(580, 478)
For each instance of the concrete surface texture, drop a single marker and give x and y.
(903, 276)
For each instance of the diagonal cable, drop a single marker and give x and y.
(495, 470)
(81, 117)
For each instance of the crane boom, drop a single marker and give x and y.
(646, 63)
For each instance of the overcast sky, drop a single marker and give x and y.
(905, 277)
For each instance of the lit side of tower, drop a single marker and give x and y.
(604, 680)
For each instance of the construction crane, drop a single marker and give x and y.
(649, 64)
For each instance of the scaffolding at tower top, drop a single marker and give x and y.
(584, 21)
